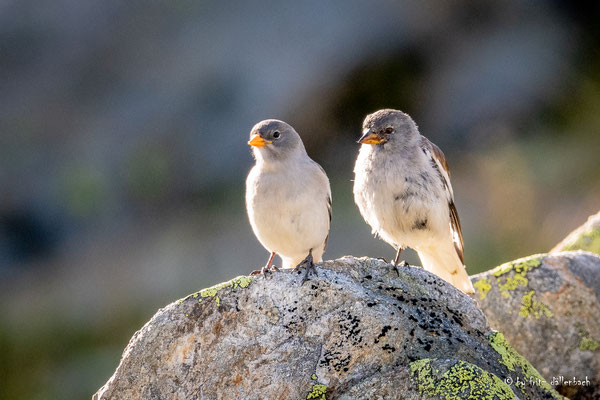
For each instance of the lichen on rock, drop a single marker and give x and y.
(456, 380)
(548, 308)
(513, 274)
(513, 360)
(532, 307)
(586, 237)
(238, 282)
(354, 330)
(318, 392)
(482, 286)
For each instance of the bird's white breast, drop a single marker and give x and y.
(395, 197)
(287, 207)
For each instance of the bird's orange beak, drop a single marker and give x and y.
(257, 141)
(369, 137)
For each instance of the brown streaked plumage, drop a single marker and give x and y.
(402, 189)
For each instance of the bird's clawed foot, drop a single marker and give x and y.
(398, 265)
(266, 271)
(308, 265)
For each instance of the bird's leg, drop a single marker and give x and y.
(308, 264)
(396, 262)
(397, 259)
(267, 268)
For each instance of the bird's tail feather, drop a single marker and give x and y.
(446, 264)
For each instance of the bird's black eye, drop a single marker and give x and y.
(389, 130)
(276, 134)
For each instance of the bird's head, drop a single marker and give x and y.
(388, 126)
(272, 139)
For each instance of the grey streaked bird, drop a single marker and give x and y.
(402, 189)
(288, 197)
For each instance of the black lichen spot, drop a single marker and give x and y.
(368, 277)
(427, 347)
(371, 304)
(457, 320)
(334, 359)
(388, 348)
(384, 331)
(349, 328)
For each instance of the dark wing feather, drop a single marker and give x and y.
(441, 165)
(329, 211)
(328, 206)
(456, 228)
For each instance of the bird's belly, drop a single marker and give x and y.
(292, 230)
(403, 215)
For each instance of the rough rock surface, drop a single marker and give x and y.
(548, 307)
(360, 329)
(586, 237)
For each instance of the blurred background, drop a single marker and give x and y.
(123, 155)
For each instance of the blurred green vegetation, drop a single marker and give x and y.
(131, 179)
(47, 357)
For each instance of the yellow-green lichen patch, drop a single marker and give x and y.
(519, 268)
(588, 241)
(313, 377)
(531, 307)
(460, 380)
(512, 360)
(239, 282)
(586, 342)
(483, 286)
(318, 392)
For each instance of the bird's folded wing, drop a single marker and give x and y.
(438, 160)
(326, 181)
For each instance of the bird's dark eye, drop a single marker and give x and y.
(389, 130)
(276, 134)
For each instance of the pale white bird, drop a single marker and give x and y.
(288, 197)
(402, 189)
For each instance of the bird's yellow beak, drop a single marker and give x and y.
(257, 141)
(369, 137)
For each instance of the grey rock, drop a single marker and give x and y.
(548, 307)
(586, 237)
(358, 329)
